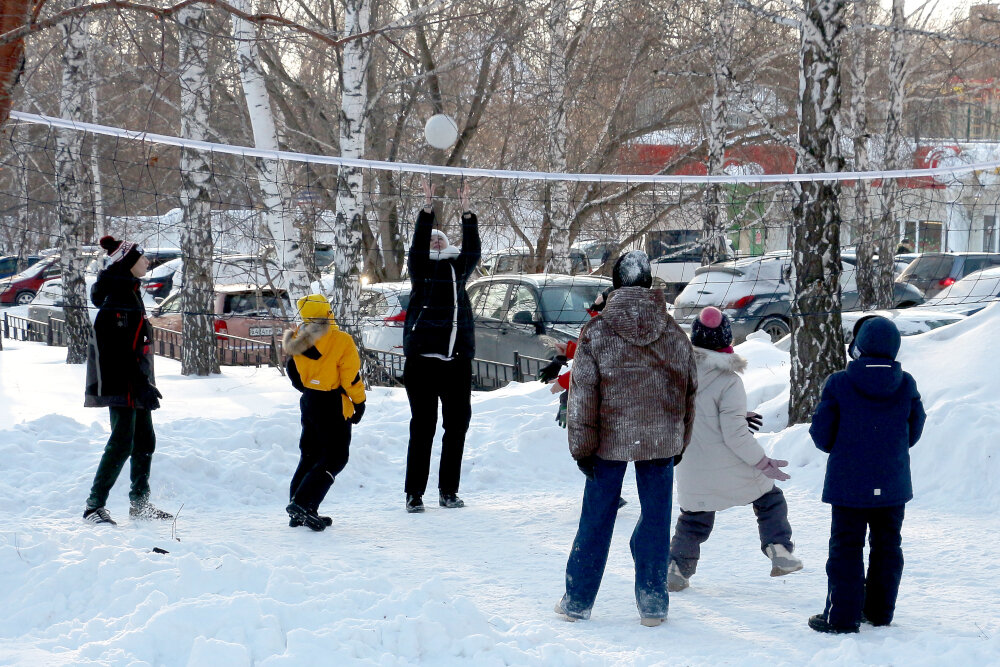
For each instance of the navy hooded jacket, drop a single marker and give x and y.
(868, 417)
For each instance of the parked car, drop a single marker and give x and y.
(49, 302)
(226, 270)
(756, 294)
(934, 271)
(909, 321)
(9, 264)
(159, 256)
(383, 311)
(243, 310)
(20, 289)
(528, 313)
(519, 260)
(674, 256)
(968, 295)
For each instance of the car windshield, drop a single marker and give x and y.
(567, 304)
(927, 268)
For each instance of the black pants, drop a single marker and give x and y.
(132, 437)
(850, 592)
(694, 528)
(324, 447)
(427, 381)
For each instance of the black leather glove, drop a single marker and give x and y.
(359, 412)
(754, 421)
(677, 459)
(550, 371)
(149, 397)
(586, 466)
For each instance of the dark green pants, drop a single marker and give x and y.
(131, 436)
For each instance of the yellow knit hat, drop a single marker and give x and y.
(314, 307)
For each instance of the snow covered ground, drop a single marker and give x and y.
(471, 586)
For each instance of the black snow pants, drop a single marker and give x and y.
(427, 381)
(324, 447)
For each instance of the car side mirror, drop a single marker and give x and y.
(157, 300)
(523, 317)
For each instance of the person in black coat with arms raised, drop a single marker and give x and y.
(439, 344)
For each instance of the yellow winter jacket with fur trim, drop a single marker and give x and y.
(327, 360)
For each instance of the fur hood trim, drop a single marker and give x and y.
(708, 360)
(304, 337)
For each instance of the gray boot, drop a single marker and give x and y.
(782, 560)
(675, 580)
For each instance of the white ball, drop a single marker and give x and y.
(441, 131)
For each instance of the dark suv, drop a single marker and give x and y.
(934, 271)
(527, 313)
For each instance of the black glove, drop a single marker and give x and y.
(149, 397)
(359, 412)
(677, 459)
(550, 371)
(561, 414)
(754, 421)
(586, 466)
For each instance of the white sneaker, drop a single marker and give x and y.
(675, 580)
(782, 560)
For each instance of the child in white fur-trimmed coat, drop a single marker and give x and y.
(724, 466)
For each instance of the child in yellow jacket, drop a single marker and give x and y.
(324, 365)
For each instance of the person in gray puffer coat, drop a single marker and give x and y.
(631, 398)
(725, 466)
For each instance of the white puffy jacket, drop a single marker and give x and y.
(717, 470)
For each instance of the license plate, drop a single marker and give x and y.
(261, 331)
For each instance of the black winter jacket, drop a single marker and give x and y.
(439, 290)
(119, 356)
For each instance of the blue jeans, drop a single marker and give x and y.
(650, 542)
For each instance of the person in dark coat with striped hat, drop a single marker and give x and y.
(120, 377)
(868, 418)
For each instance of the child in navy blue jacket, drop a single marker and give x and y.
(868, 417)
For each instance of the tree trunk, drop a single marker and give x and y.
(714, 229)
(97, 194)
(864, 223)
(13, 15)
(558, 191)
(348, 253)
(68, 161)
(198, 352)
(817, 348)
(888, 229)
(271, 174)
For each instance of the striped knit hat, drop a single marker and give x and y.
(123, 253)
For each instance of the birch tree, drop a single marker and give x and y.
(719, 18)
(864, 223)
(558, 191)
(817, 347)
(887, 228)
(198, 352)
(271, 174)
(348, 258)
(68, 161)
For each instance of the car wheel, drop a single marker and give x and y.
(24, 298)
(776, 327)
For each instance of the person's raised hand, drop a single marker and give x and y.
(463, 196)
(428, 191)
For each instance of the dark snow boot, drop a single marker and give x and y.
(98, 515)
(308, 517)
(146, 511)
(295, 523)
(819, 623)
(414, 504)
(450, 500)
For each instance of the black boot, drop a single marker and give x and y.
(819, 623)
(308, 517)
(295, 523)
(414, 504)
(450, 500)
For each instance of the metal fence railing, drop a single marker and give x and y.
(380, 368)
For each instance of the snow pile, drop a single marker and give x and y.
(473, 586)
